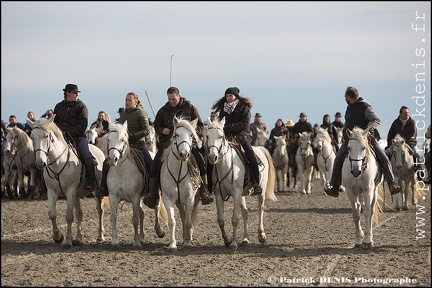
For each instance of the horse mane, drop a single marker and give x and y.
(22, 136)
(48, 125)
(122, 130)
(325, 133)
(358, 135)
(400, 142)
(182, 123)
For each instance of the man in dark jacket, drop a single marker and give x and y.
(360, 113)
(71, 116)
(181, 108)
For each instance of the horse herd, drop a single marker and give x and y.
(46, 150)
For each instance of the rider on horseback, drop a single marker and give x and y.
(72, 119)
(180, 107)
(359, 113)
(236, 110)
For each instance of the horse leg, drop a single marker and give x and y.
(114, 201)
(52, 214)
(367, 212)
(101, 212)
(245, 216)
(235, 220)
(187, 225)
(141, 222)
(261, 232)
(136, 221)
(171, 224)
(356, 208)
(413, 194)
(220, 218)
(70, 205)
(79, 216)
(309, 181)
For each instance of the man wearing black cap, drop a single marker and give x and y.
(253, 127)
(337, 123)
(301, 126)
(360, 113)
(72, 119)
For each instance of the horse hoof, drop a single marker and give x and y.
(405, 208)
(160, 234)
(367, 246)
(172, 249)
(77, 243)
(67, 246)
(358, 246)
(245, 242)
(59, 240)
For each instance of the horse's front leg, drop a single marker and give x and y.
(187, 224)
(101, 212)
(234, 219)
(158, 228)
(70, 206)
(245, 216)
(136, 221)
(172, 225)
(308, 185)
(368, 212)
(302, 180)
(141, 222)
(79, 216)
(220, 218)
(356, 212)
(114, 201)
(52, 214)
(261, 232)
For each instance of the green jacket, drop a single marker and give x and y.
(137, 123)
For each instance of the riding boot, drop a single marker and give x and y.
(394, 188)
(332, 190)
(104, 188)
(205, 197)
(152, 197)
(90, 177)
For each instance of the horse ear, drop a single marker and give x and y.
(194, 123)
(348, 132)
(30, 123)
(209, 120)
(125, 124)
(222, 121)
(51, 119)
(176, 121)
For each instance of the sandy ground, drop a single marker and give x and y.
(310, 242)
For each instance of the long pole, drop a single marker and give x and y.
(171, 68)
(151, 106)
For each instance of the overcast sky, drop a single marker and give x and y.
(288, 57)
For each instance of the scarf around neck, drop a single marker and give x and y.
(229, 107)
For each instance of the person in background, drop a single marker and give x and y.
(14, 123)
(31, 117)
(337, 123)
(405, 126)
(48, 114)
(138, 129)
(301, 126)
(213, 116)
(360, 113)
(72, 119)
(101, 124)
(278, 130)
(181, 108)
(257, 124)
(119, 111)
(236, 111)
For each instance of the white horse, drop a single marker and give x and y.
(18, 140)
(151, 140)
(229, 177)
(261, 138)
(125, 181)
(181, 180)
(339, 133)
(305, 158)
(64, 176)
(326, 154)
(100, 142)
(8, 165)
(360, 172)
(402, 162)
(280, 161)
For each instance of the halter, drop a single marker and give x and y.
(322, 154)
(364, 166)
(115, 148)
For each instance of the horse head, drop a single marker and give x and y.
(91, 135)
(184, 136)
(215, 140)
(305, 145)
(118, 142)
(358, 150)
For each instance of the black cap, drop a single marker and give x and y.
(233, 90)
(338, 114)
(71, 88)
(257, 115)
(302, 114)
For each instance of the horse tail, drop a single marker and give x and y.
(378, 209)
(419, 191)
(162, 213)
(271, 176)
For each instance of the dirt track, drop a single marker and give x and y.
(309, 243)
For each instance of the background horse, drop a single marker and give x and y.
(9, 171)
(363, 184)
(64, 176)
(229, 178)
(280, 161)
(100, 142)
(125, 181)
(326, 154)
(261, 138)
(339, 133)
(402, 161)
(19, 141)
(181, 180)
(151, 140)
(304, 159)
